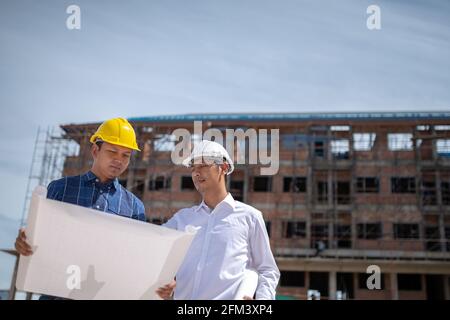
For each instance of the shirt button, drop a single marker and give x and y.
(101, 191)
(96, 180)
(98, 207)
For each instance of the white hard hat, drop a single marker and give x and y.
(209, 150)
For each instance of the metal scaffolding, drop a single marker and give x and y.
(51, 148)
(50, 151)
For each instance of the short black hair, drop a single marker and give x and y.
(99, 144)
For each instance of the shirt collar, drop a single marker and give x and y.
(90, 176)
(200, 206)
(228, 200)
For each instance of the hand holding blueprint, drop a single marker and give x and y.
(81, 253)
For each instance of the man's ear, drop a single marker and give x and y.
(94, 150)
(224, 167)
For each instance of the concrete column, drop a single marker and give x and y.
(447, 287)
(130, 177)
(307, 276)
(246, 185)
(332, 285)
(394, 287)
(331, 191)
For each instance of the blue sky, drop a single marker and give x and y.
(139, 58)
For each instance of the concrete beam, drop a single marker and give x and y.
(360, 266)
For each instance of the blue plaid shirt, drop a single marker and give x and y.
(86, 190)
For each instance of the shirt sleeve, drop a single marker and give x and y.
(54, 191)
(263, 261)
(139, 210)
(172, 223)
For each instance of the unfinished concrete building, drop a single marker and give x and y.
(352, 190)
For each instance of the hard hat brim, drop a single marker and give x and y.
(97, 137)
(188, 162)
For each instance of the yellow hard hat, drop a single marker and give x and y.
(116, 131)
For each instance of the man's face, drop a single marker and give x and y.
(207, 176)
(110, 159)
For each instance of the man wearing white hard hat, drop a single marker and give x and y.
(231, 236)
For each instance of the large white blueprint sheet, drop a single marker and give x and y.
(81, 253)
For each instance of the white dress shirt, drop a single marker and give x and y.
(232, 238)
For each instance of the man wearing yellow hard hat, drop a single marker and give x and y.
(99, 188)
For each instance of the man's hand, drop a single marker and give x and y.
(248, 298)
(21, 244)
(166, 291)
